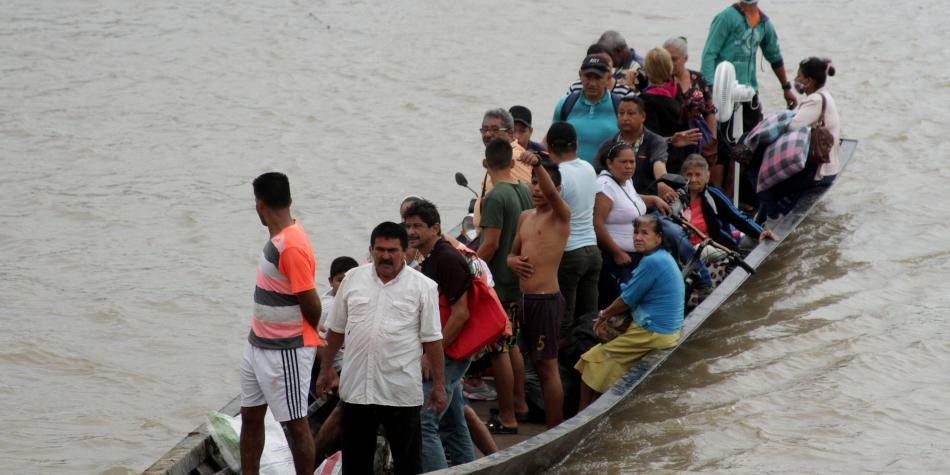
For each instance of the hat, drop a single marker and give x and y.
(750, 2)
(594, 63)
(521, 114)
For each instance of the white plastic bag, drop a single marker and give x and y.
(333, 465)
(276, 458)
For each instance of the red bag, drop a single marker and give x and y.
(486, 321)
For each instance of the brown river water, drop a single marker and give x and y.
(130, 132)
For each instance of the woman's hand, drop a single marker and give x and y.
(768, 234)
(621, 258)
(657, 203)
(664, 191)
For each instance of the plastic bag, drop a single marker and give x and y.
(276, 458)
(333, 465)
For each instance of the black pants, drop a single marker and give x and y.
(403, 432)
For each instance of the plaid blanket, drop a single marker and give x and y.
(785, 151)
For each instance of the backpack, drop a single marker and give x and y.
(821, 142)
(572, 99)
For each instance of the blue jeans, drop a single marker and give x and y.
(446, 434)
(675, 235)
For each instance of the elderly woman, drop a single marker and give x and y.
(663, 107)
(653, 299)
(817, 105)
(696, 105)
(616, 206)
(709, 210)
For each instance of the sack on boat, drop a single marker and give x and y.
(486, 322)
(611, 327)
(275, 460)
(783, 151)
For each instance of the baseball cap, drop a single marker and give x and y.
(521, 114)
(750, 2)
(594, 64)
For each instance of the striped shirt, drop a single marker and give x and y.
(286, 268)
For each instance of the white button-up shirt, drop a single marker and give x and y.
(384, 327)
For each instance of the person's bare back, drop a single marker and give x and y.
(542, 234)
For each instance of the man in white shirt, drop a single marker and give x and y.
(389, 314)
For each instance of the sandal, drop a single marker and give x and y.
(496, 427)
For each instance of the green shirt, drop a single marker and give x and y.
(501, 208)
(731, 39)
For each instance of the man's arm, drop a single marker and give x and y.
(560, 207)
(718, 32)
(310, 306)
(772, 54)
(327, 380)
(433, 353)
(456, 321)
(516, 262)
(488, 245)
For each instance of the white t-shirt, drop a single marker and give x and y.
(627, 206)
(326, 302)
(385, 325)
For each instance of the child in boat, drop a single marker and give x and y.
(535, 256)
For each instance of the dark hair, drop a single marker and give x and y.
(651, 219)
(597, 48)
(341, 265)
(498, 154)
(817, 69)
(613, 153)
(554, 172)
(426, 211)
(562, 138)
(390, 230)
(273, 188)
(634, 99)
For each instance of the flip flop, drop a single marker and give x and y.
(496, 427)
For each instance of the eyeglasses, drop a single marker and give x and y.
(493, 131)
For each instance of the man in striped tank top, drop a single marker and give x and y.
(280, 349)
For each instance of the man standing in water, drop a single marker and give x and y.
(390, 316)
(535, 257)
(280, 349)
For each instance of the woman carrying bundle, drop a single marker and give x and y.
(818, 109)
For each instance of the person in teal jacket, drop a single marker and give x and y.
(734, 35)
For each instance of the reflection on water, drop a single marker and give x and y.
(129, 134)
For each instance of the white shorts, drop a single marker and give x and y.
(277, 378)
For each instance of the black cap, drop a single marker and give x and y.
(521, 114)
(595, 63)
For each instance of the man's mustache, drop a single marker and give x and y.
(387, 262)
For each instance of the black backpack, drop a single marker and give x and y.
(573, 97)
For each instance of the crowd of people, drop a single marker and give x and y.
(575, 237)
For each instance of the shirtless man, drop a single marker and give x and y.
(535, 256)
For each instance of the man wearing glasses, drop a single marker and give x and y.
(593, 112)
(499, 124)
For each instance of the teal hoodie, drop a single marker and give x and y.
(732, 39)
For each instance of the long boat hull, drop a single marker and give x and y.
(196, 453)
